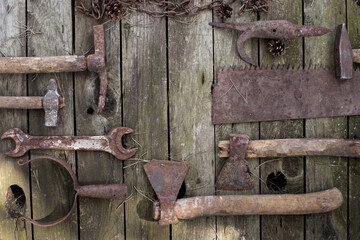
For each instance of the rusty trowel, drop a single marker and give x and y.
(235, 174)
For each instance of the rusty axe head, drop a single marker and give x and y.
(343, 54)
(97, 63)
(51, 104)
(166, 178)
(235, 174)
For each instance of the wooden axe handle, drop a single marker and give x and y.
(25, 102)
(297, 147)
(276, 204)
(42, 64)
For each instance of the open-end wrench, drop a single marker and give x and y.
(110, 143)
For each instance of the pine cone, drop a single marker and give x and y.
(115, 11)
(276, 47)
(224, 11)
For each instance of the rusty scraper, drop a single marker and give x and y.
(166, 178)
(274, 29)
(106, 191)
(344, 54)
(235, 174)
(94, 63)
(51, 103)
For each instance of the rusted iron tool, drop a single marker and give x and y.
(168, 210)
(51, 103)
(344, 54)
(108, 191)
(110, 143)
(94, 63)
(235, 174)
(281, 93)
(274, 29)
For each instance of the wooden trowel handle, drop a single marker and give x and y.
(297, 147)
(42, 64)
(279, 204)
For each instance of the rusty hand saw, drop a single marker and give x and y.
(280, 93)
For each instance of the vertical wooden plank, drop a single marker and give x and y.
(226, 55)
(52, 190)
(145, 110)
(283, 227)
(353, 11)
(12, 13)
(98, 218)
(191, 130)
(325, 172)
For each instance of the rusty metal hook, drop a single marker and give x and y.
(108, 191)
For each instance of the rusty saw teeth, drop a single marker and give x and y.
(281, 93)
(275, 29)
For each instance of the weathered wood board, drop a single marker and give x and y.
(160, 76)
(325, 172)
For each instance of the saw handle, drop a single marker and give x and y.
(272, 204)
(42, 64)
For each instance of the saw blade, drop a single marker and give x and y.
(281, 93)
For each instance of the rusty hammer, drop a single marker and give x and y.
(94, 63)
(235, 174)
(166, 178)
(51, 103)
(344, 54)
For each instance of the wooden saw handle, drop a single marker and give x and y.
(42, 64)
(297, 147)
(278, 204)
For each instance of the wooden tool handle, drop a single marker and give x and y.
(25, 102)
(297, 147)
(279, 204)
(356, 55)
(42, 64)
(108, 191)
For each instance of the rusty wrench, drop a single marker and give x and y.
(110, 143)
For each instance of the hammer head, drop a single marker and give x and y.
(97, 63)
(343, 54)
(235, 174)
(166, 178)
(51, 104)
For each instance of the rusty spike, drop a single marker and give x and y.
(343, 54)
(166, 178)
(235, 173)
(97, 63)
(275, 29)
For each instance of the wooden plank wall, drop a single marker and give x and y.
(160, 76)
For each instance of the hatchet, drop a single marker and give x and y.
(235, 174)
(166, 178)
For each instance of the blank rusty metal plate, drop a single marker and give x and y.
(280, 93)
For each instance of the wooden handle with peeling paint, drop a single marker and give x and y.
(11, 102)
(272, 204)
(42, 64)
(297, 147)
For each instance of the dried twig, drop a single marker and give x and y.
(127, 199)
(25, 32)
(254, 6)
(144, 195)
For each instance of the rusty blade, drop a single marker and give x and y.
(274, 29)
(166, 178)
(279, 93)
(343, 54)
(235, 174)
